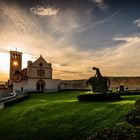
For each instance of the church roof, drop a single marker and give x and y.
(40, 59)
(41, 62)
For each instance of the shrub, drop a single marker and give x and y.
(99, 97)
(122, 131)
(129, 93)
(133, 117)
(137, 104)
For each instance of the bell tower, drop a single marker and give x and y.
(15, 64)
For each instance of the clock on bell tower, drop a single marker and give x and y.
(15, 63)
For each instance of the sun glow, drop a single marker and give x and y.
(15, 63)
(4, 62)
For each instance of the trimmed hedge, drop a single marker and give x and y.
(74, 90)
(129, 130)
(137, 104)
(122, 131)
(99, 97)
(129, 93)
(133, 116)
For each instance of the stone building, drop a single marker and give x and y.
(36, 77)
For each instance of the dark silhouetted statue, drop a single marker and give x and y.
(99, 83)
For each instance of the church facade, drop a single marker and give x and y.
(36, 77)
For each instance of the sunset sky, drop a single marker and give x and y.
(73, 35)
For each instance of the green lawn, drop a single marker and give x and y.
(53, 116)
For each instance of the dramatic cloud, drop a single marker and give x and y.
(29, 37)
(44, 11)
(128, 39)
(18, 21)
(97, 1)
(126, 56)
(73, 39)
(137, 22)
(100, 3)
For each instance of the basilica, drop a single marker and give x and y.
(36, 77)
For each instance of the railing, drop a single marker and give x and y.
(13, 95)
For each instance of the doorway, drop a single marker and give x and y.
(40, 85)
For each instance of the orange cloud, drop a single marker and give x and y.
(44, 11)
(24, 32)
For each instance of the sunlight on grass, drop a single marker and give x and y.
(123, 102)
(60, 116)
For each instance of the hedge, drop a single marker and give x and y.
(133, 116)
(122, 131)
(99, 97)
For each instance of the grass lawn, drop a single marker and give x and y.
(53, 116)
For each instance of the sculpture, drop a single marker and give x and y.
(99, 83)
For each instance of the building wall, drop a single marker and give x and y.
(73, 84)
(32, 69)
(132, 83)
(32, 72)
(31, 85)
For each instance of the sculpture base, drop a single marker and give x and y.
(99, 97)
(102, 92)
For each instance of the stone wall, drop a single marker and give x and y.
(30, 85)
(73, 84)
(130, 83)
(32, 73)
